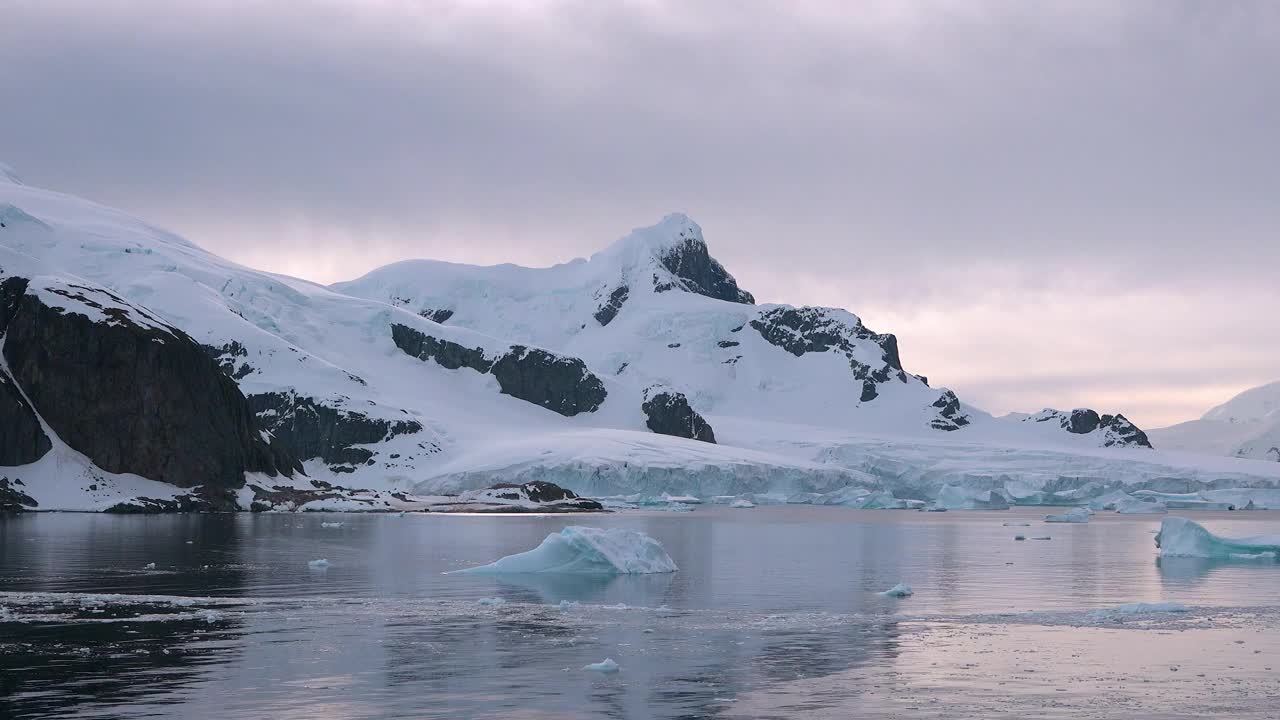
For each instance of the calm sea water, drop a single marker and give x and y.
(775, 613)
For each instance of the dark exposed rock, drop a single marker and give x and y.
(310, 429)
(1121, 432)
(668, 413)
(516, 498)
(1117, 430)
(609, 309)
(700, 273)
(950, 415)
(436, 316)
(189, 502)
(445, 353)
(22, 440)
(12, 498)
(226, 356)
(132, 393)
(728, 343)
(556, 382)
(538, 491)
(808, 329)
(559, 383)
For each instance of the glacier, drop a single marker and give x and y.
(586, 550)
(1182, 537)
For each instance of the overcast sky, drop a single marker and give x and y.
(1050, 203)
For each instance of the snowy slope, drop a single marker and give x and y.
(434, 377)
(1246, 426)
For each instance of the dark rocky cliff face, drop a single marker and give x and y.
(669, 413)
(608, 309)
(132, 393)
(22, 440)
(556, 382)
(559, 383)
(310, 429)
(809, 329)
(700, 273)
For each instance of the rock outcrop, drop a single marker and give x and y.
(697, 272)
(609, 308)
(668, 412)
(557, 382)
(310, 429)
(132, 393)
(950, 415)
(1114, 430)
(810, 329)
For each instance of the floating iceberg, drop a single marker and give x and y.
(1074, 515)
(955, 497)
(1180, 537)
(587, 550)
(318, 564)
(149, 566)
(900, 590)
(330, 524)
(605, 666)
(742, 503)
(491, 601)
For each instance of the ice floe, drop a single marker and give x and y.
(605, 666)
(318, 564)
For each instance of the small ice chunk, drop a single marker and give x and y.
(900, 590)
(587, 550)
(149, 566)
(1042, 537)
(1074, 515)
(567, 604)
(742, 503)
(318, 564)
(331, 524)
(605, 666)
(491, 601)
(1017, 524)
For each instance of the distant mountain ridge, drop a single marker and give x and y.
(645, 368)
(1246, 426)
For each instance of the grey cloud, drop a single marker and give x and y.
(923, 157)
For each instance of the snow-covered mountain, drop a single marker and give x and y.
(136, 364)
(1246, 426)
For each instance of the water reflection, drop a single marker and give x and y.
(765, 599)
